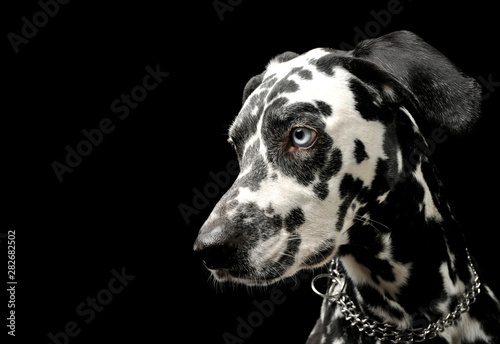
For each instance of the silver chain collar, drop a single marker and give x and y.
(388, 332)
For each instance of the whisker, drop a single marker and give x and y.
(372, 223)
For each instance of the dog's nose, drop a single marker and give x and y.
(217, 247)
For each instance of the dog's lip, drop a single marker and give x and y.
(232, 271)
(230, 274)
(243, 276)
(248, 278)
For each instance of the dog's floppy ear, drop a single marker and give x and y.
(251, 85)
(256, 80)
(439, 90)
(283, 57)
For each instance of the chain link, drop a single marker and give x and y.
(387, 332)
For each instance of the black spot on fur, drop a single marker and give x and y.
(321, 190)
(365, 98)
(324, 108)
(326, 63)
(330, 169)
(333, 166)
(285, 85)
(380, 184)
(294, 219)
(303, 107)
(349, 188)
(252, 221)
(300, 71)
(359, 151)
(305, 74)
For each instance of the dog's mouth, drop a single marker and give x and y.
(246, 277)
(272, 267)
(249, 274)
(257, 267)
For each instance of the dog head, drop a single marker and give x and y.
(320, 140)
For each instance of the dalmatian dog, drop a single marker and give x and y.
(335, 170)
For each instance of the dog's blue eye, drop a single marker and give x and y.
(303, 137)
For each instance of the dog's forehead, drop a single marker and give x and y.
(317, 77)
(281, 69)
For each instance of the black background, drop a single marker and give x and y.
(119, 207)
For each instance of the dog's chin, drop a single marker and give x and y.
(247, 278)
(252, 276)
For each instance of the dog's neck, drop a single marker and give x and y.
(406, 261)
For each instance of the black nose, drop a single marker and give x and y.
(218, 257)
(217, 247)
